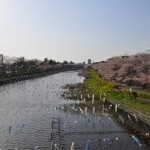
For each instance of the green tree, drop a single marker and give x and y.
(46, 60)
(65, 62)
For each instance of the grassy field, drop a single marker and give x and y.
(97, 85)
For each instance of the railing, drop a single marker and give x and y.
(132, 111)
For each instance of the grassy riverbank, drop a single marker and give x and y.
(97, 85)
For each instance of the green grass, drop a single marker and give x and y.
(95, 85)
(145, 95)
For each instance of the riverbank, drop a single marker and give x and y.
(114, 91)
(94, 84)
(28, 76)
(96, 90)
(25, 77)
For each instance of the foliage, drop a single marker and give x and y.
(51, 62)
(123, 69)
(14, 66)
(97, 85)
(65, 62)
(45, 60)
(145, 95)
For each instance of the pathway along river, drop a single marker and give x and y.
(27, 109)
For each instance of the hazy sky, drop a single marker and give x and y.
(74, 29)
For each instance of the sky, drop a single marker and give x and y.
(74, 30)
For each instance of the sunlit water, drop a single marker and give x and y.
(27, 109)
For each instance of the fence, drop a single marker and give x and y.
(136, 119)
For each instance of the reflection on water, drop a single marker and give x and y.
(95, 129)
(27, 109)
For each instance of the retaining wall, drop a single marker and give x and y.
(135, 119)
(32, 76)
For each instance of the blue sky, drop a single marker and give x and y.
(74, 29)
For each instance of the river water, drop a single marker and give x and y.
(28, 107)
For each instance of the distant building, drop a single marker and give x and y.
(89, 61)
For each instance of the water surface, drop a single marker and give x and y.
(27, 109)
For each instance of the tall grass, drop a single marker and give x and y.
(98, 85)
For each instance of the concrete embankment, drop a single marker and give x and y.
(24, 77)
(33, 76)
(131, 117)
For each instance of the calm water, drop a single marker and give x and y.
(27, 109)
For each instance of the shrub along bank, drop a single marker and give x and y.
(102, 88)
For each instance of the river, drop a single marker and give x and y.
(28, 107)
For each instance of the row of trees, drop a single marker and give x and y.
(18, 65)
(53, 62)
(134, 69)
